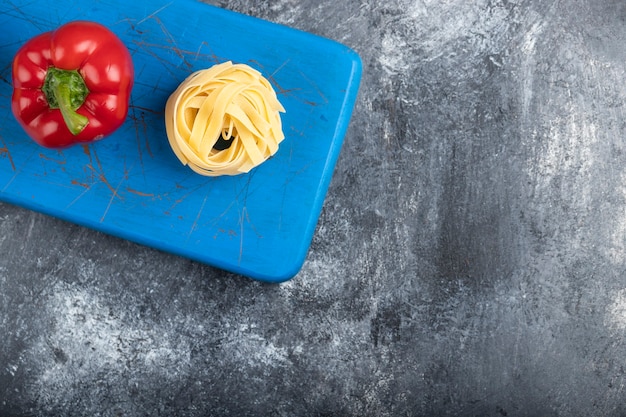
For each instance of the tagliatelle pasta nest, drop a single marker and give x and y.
(224, 120)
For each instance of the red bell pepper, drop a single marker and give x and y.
(72, 85)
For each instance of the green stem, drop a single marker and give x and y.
(75, 122)
(66, 90)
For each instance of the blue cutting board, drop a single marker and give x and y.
(131, 185)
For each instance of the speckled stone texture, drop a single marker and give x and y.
(470, 258)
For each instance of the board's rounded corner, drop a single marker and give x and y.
(280, 277)
(287, 271)
(357, 61)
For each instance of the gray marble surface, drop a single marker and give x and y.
(470, 258)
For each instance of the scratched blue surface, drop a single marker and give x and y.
(131, 185)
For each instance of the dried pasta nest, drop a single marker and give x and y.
(224, 120)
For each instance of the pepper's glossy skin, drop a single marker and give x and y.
(103, 61)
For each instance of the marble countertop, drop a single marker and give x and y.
(470, 257)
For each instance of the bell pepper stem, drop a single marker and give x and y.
(75, 122)
(66, 90)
